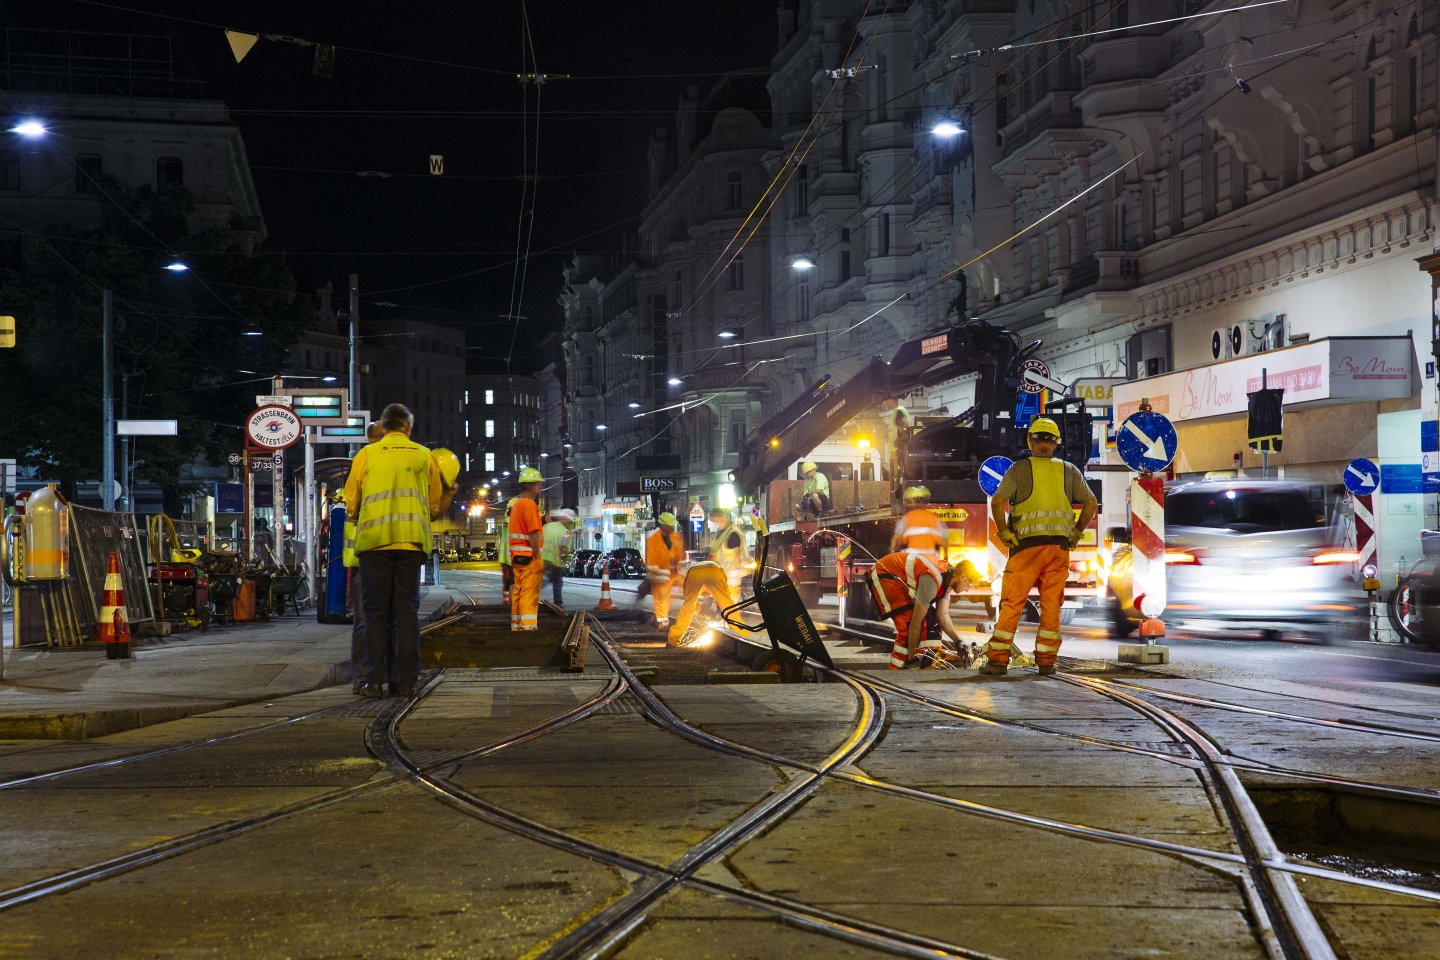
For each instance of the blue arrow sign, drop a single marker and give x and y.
(1146, 441)
(1361, 476)
(992, 471)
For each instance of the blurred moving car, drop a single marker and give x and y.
(582, 562)
(1249, 554)
(625, 564)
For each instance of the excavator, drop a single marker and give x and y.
(945, 454)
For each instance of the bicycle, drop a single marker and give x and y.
(1403, 608)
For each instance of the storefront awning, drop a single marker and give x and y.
(1333, 370)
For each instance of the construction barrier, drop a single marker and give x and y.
(94, 536)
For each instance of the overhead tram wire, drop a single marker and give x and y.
(524, 267)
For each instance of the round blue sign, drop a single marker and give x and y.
(1361, 476)
(1146, 441)
(992, 471)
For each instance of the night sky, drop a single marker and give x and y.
(413, 237)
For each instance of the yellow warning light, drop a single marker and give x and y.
(863, 443)
(774, 441)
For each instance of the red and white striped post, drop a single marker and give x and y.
(1147, 548)
(842, 575)
(1365, 528)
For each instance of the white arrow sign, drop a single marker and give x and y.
(1365, 479)
(1154, 449)
(991, 471)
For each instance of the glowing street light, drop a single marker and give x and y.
(802, 263)
(674, 381)
(601, 426)
(727, 334)
(634, 405)
(947, 129)
(177, 267)
(29, 128)
(328, 379)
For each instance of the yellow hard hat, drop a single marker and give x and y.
(1044, 425)
(807, 466)
(668, 519)
(449, 465)
(917, 493)
(531, 475)
(338, 496)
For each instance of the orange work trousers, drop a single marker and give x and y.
(525, 596)
(660, 590)
(1049, 566)
(699, 581)
(898, 595)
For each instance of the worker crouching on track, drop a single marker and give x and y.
(664, 549)
(718, 574)
(1039, 532)
(919, 531)
(526, 541)
(906, 587)
(395, 487)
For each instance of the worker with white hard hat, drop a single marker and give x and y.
(1038, 492)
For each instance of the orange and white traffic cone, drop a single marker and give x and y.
(114, 618)
(605, 602)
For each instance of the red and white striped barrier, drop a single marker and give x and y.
(1147, 549)
(996, 556)
(1365, 529)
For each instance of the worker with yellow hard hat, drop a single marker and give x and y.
(718, 574)
(664, 549)
(815, 498)
(1037, 492)
(394, 490)
(357, 604)
(526, 541)
(920, 531)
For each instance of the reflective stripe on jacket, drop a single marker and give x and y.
(395, 496)
(522, 509)
(1046, 512)
(906, 569)
(729, 559)
(922, 532)
(348, 557)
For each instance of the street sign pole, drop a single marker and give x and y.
(354, 347)
(992, 471)
(311, 525)
(107, 482)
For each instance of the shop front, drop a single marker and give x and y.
(1345, 398)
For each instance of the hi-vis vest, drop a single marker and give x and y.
(395, 497)
(519, 542)
(922, 532)
(348, 557)
(729, 559)
(1046, 511)
(502, 536)
(905, 569)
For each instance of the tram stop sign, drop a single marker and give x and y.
(992, 471)
(1361, 476)
(1146, 441)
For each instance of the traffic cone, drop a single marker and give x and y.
(605, 602)
(113, 614)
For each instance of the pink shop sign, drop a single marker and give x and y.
(1294, 381)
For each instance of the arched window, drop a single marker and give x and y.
(169, 171)
(734, 192)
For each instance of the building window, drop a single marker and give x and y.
(9, 170)
(844, 254)
(802, 190)
(88, 166)
(735, 272)
(490, 462)
(1002, 106)
(802, 301)
(589, 371)
(734, 192)
(467, 428)
(882, 89)
(514, 429)
(679, 291)
(489, 398)
(736, 437)
(489, 428)
(169, 171)
(884, 234)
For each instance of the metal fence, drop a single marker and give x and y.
(94, 535)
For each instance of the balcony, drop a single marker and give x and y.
(1107, 270)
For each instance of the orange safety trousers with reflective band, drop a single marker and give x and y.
(893, 581)
(1048, 566)
(704, 577)
(525, 595)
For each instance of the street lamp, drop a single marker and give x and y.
(728, 334)
(252, 332)
(177, 267)
(29, 128)
(945, 129)
(802, 263)
(674, 381)
(601, 426)
(634, 405)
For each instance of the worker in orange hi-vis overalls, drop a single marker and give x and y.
(526, 540)
(664, 549)
(919, 531)
(1041, 529)
(905, 587)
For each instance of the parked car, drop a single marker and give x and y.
(1249, 554)
(449, 555)
(582, 562)
(625, 564)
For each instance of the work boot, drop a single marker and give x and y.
(1046, 669)
(355, 688)
(372, 690)
(406, 692)
(993, 669)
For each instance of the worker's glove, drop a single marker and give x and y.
(1009, 539)
(1076, 536)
